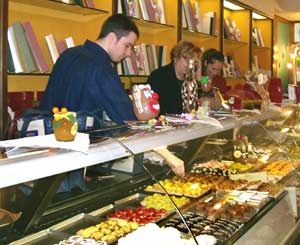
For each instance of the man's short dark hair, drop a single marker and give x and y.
(120, 24)
(211, 55)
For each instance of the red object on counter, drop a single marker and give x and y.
(275, 90)
(19, 101)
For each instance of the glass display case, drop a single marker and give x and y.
(241, 181)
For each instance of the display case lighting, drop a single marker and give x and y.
(258, 16)
(232, 6)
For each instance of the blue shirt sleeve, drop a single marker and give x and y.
(106, 90)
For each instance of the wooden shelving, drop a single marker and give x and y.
(263, 53)
(63, 20)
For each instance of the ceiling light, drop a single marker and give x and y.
(232, 6)
(258, 16)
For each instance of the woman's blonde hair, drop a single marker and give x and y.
(185, 49)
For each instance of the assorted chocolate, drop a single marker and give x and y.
(226, 210)
(222, 229)
(220, 168)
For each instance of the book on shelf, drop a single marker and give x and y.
(198, 17)
(154, 55)
(61, 46)
(160, 12)
(211, 15)
(133, 60)
(25, 51)
(187, 16)
(70, 42)
(226, 68)
(164, 56)
(255, 40)
(231, 69)
(150, 57)
(120, 7)
(67, 1)
(131, 8)
(236, 31)
(90, 3)
(190, 15)
(161, 55)
(207, 23)
(184, 21)
(231, 30)
(255, 64)
(260, 38)
(144, 58)
(140, 60)
(144, 10)
(129, 65)
(79, 3)
(35, 47)
(150, 7)
(125, 67)
(119, 69)
(232, 65)
(51, 44)
(15, 50)
(227, 33)
(10, 62)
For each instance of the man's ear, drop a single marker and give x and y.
(112, 37)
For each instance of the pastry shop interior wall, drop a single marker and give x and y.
(241, 178)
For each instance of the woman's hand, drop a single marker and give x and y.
(198, 71)
(175, 163)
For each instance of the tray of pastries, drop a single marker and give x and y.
(180, 187)
(221, 209)
(129, 208)
(199, 224)
(160, 201)
(142, 215)
(228, 184)
(108, 231)
(278, 168)
(273, 190)
(221, 168)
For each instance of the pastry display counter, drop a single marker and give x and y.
(57, 217)
(14, 171)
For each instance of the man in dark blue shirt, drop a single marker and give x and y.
(83, 78)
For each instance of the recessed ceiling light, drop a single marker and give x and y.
(258, 16)
(232, 6)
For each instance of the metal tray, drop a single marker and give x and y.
(72, 225)
(131, 201)
(41, 238)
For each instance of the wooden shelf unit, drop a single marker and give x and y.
(204, 40)
(239, 50)
(64, 20)
(264, 53)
